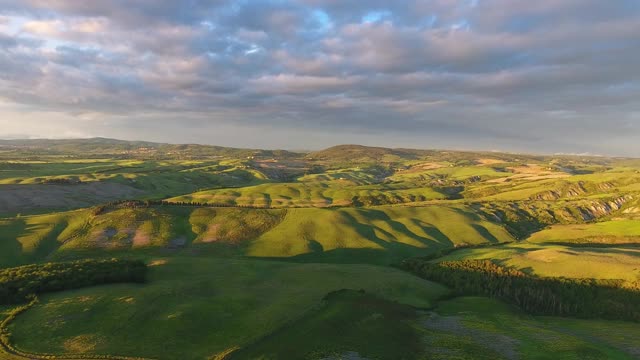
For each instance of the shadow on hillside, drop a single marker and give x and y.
(486, 234)
(629, 250)
(14, 250)
(10, 248)
(468, 214)
(435, 233)
(356, 256)
(368, 231)
(267, 200)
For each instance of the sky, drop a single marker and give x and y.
(544, 76)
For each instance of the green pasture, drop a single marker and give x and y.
(482, 328)
(194, 308)
(618, 262)
(380, 235)
(335, 192)
(606, 232)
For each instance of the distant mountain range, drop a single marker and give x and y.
(105, 146)
(100, 147)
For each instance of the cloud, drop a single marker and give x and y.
(294, 84)
(527, 75)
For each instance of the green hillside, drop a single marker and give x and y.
(194, 308)
(613, 262)
(311, 195)
(617, 231)
(104, 146)
(387, 232)
(376, 235)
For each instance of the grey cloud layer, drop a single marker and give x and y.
(495, 72)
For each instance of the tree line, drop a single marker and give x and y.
(386, 199)
(141, 204)
(586, 298)
(18, 284)
(136, 204)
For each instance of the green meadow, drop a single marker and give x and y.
(373, 235)
(612, 262)
(481, 328)
(337, 192)
(613, 231)
(195, 308)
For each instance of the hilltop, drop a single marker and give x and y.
(346, 153)
(113, 147)
(365, 154)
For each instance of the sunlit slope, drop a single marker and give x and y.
(334, 192)
(535, 182)
(562, 261)
(618, 231)
(195, 308)
(418, 181)
(32, 238)
(381, 234)
(40, 237)
(142, 174)
(40, 186)
(401, 231)
(100, 147)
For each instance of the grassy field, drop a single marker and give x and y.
(390, 232)
(481, 328)
(4, 313)
(606, 232)
(193, 308)
(31, 187)
(375, 235)
(290, 180)
(339, 192)
(618, 262)
(347, 324)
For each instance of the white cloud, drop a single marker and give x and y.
(515, 74)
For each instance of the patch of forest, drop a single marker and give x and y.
(18, 284)
(585, 298)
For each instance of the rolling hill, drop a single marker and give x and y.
(249, 250)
